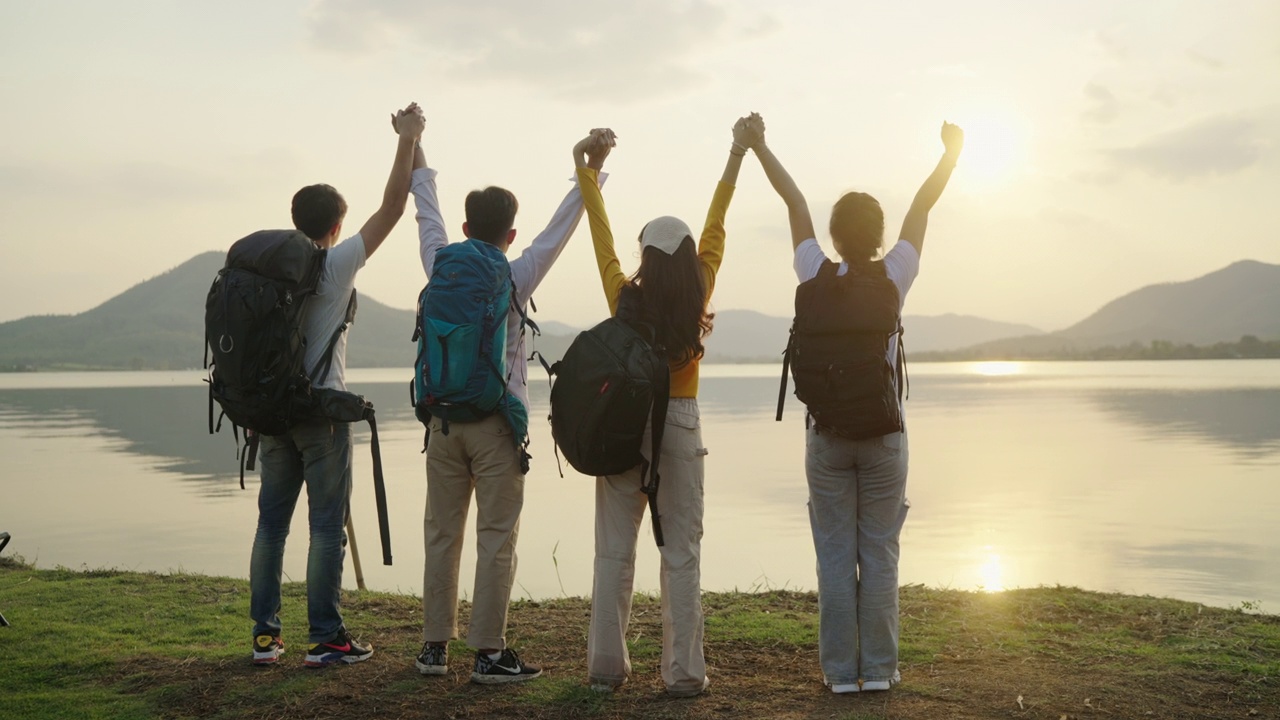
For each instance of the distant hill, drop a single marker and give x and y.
(158, 324)
(1223, 306)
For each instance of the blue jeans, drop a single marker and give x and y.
(857, 505)
(316, 453)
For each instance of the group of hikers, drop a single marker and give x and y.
(844, 352)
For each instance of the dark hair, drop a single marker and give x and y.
(316, 209)
(673, 299)
(491, 212)
(857, 226)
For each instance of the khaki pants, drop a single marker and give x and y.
(620, 508)
(477, 456)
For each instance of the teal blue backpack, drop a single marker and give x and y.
(461, 371)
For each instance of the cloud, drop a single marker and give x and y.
(1216, 146)
(571, 48)
(1103, 107)
(1111, 46)
(1205, 61)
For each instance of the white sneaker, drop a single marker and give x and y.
(878, 685)
(842, 688)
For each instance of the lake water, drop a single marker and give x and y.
(1150, 478)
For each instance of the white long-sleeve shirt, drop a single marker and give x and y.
(527, 271)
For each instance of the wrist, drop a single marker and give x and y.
(738, 149)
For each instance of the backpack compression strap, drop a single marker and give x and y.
(657, 424)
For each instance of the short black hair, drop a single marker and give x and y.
(491, 212)
(316, 209)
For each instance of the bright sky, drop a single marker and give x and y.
(1110, 145)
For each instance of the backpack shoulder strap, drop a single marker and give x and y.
(326, 360)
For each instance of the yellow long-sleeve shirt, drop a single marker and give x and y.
(684, 379)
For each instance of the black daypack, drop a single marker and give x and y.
(837, 352)
(253, 331)
(609, 385)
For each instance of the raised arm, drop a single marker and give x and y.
(797, 208)
(711, 242)
(917, 220)
(536, 260)
(409, 125)
(611, 276)
(432, 236)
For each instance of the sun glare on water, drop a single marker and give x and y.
(996, 368)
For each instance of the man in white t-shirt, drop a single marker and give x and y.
(317, 453)
(481, 457)
(857, 488)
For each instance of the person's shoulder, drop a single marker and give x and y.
(903, 251)
(348, 256)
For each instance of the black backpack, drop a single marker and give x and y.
(837, 352)
(253, 330)
(611, 382)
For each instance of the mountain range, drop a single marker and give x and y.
(158, 324)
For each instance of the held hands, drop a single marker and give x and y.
(594, 148)
(409, 122)
(748, 134)
(952, 139)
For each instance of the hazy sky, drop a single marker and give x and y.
(1110, 144)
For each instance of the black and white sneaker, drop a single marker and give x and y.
(267, 649)
(433, 660)
(506, 668)
(342, 649)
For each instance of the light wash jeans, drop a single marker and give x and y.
(620, 510)
(857, 505)
(317, 453)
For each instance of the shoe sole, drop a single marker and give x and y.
(502, 679)
(876, 685)
(431, 669)
(265, 659)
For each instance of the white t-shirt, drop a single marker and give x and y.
(328, 308)
(901, 265)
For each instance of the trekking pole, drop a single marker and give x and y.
(355, 552)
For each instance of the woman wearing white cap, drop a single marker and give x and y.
(670, 291)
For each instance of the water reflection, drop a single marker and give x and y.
(1247, 421)
(168, 424)
(1120, 480)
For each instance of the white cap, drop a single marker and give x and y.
(665, 233)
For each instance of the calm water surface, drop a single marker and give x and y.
(1150, 478)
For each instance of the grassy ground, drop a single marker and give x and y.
(107, 644)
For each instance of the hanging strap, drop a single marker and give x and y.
(209, 380)
(379, 490)
(904, 381)
(786, 365)
(249, 454)
(657, 424)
